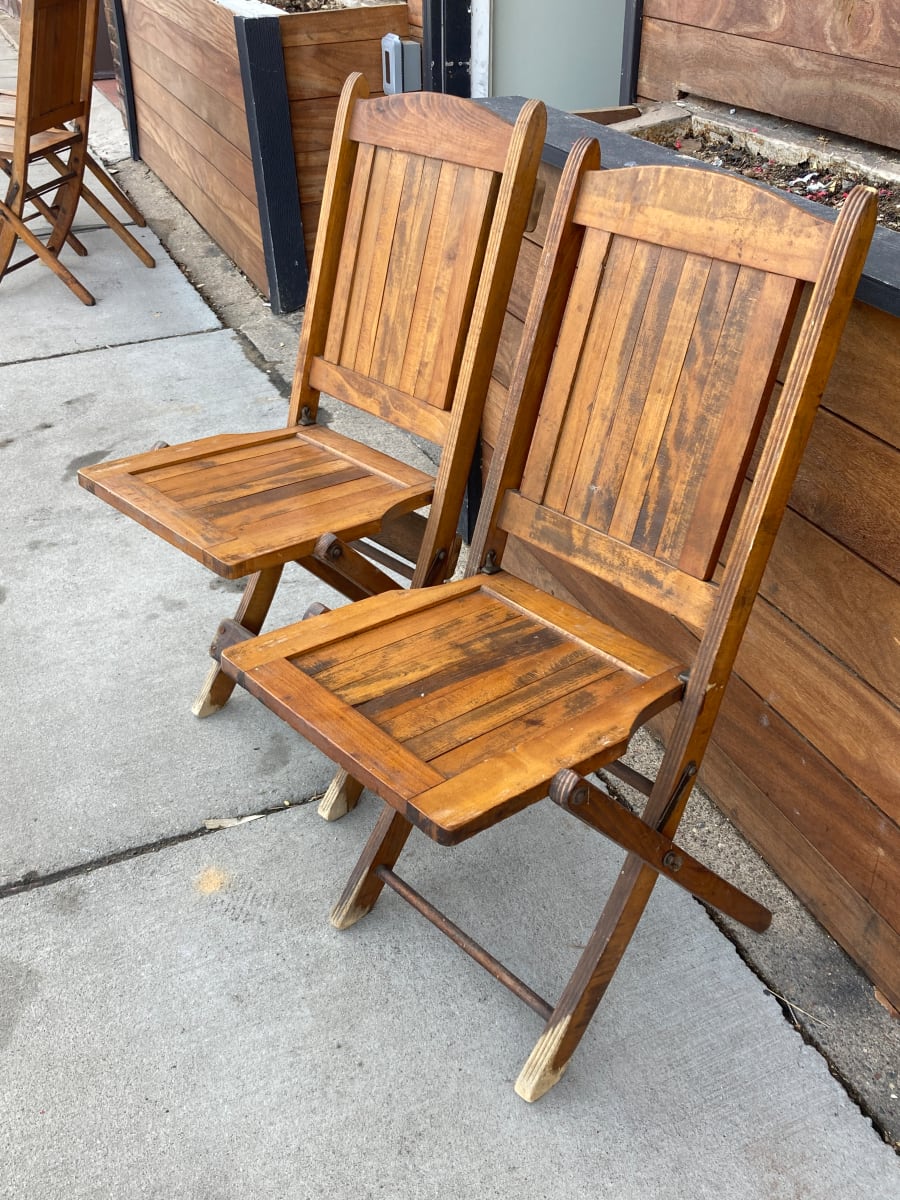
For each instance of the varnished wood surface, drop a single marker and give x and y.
(829, 838)
(830, 66)
(644, 380)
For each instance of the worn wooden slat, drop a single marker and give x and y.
(346, 253)
(592, 550)
(408, 711)
(303, 636)
(866, 397)
(240, 474)
(579, 624)
(747, 379)
(574, 468)
(365, 248)
(664, 331)
(389, 403)
(432, 648)
(359, 23)
(403, 271)
(454, 292)
(743, 224)
(851, 96)
(459, 808)
(373, 291)
(640, 486)
(378, 761)
(341, 661)
(870, 33)
(473, 136)
(514, 718)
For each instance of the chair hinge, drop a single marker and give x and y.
(490, 566)
(687, 775)
(306, 417)
(434, 570)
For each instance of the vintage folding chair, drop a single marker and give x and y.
(426, 199)
(45, 124)
(661, 310)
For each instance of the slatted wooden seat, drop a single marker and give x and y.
(45, 124)
(425, 203)
(662, 307)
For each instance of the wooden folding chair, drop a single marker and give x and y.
(426, 199)
(661, 311)
(45, 122)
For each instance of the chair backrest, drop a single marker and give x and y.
(681, 289)
(56, 60)
(414, 219)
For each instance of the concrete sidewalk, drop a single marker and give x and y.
(177, 1017)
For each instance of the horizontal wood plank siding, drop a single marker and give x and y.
(320, 50)
(804, 760)
(813, 62)
(192, 126)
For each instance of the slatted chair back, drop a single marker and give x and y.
(402, 256)
(56, 60)
(678, 317)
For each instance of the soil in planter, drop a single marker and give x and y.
(301, 6)
(825, 184)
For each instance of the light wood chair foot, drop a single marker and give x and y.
(540, 1073)
(342, 796)
(364, 886)
(214, 694)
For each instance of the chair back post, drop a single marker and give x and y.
(326, 253)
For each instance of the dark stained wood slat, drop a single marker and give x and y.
(408, 711)
(255, 500)
(347, 252)
(517, 716)
(241, 473)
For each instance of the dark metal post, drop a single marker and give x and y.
(631, 51)
(447, 47)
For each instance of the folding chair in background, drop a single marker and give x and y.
(425, 203)
(44, 123)
(661, 311)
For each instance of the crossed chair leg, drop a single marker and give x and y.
(651, 853)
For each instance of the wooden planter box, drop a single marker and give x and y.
(805, 759)
(232, 105)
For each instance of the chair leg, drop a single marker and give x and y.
(114, 190)
(548, 1060)
(108, 217)
(364, 886)
(251, 613)
(47, 255)
(342, 796)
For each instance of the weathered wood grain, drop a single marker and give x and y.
(851, 96)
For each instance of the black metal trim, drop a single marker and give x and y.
(631, 51)
(272, 151)
(117, 14)
(447, 47)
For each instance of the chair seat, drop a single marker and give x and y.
(239, 503)
(50, 139)
(427, 686)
